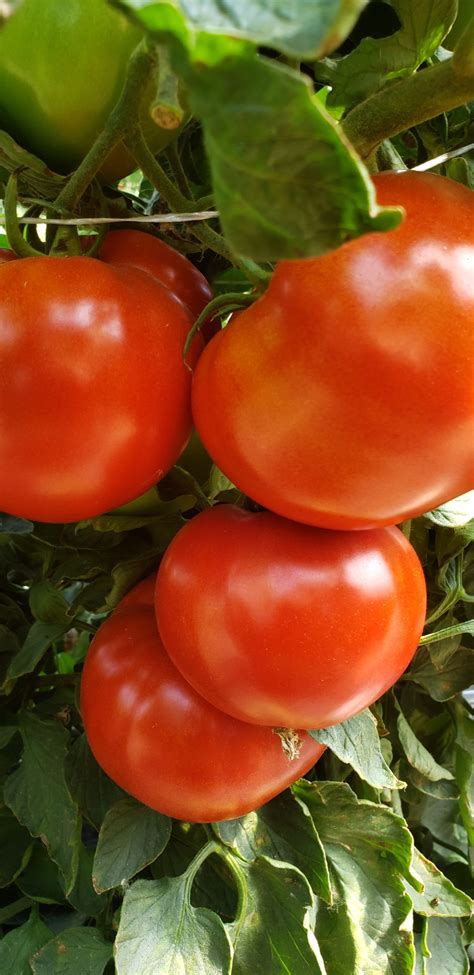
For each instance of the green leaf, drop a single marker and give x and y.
(282, 830)
(185, 842)
(47, 603)
(230, 279)
(455, 513)
(131, 836)
(378, 61)
(299, 29)
(9, 757)
(90, 787)
(9, 525)
(19, 945)
(218, 483)
(15, 847)
(440, 789)
(441, 819)
(274, 934)
(332, 199)
(83, 896)
(420, 950)
(439, 897)
(38, 795)
(77, 951)
(41, 879)
(445, 947)
(117, 522)
(213, 885)
(451, 541)
(8, 641)
(417, 754)
(125, 575)
(442, 650)
(369, 852)
(35, 175)
(6, 734)
(442, 683)
(38, 641)
(161, 932)
(357, 743)
(450, 581)
(464, 767)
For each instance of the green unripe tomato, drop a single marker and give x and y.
(62, 67)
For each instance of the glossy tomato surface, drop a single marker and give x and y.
(62, 68)
(279, 623)
(94, 395)
(164, 743)
(171, 268)
(344, 397)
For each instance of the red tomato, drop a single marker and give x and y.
(283, 624)
(6, 255)
(171, 268)
(344, 397)
(94, 395)
(164, 743)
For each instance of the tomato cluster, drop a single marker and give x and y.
(340, 400)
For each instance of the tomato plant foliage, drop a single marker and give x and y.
(176, 837)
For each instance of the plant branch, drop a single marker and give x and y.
(221, 304)
(242, 891)
(173, 196)
(143, 63)
(211, 847)
(178, 171)
(409, 102)
(11, 910)
(19, 245)
(55, 680)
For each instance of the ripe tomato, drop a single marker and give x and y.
(6, 255)
(94, 395)
(171, 268)
(62, 67)
(283, 624)
(164, 743)
(344, 397)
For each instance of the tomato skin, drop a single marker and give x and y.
(94, 395)
(343, 397)
(167, 265)
(62, 68)
(6, 255)
(284, 624)
(165, 744)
